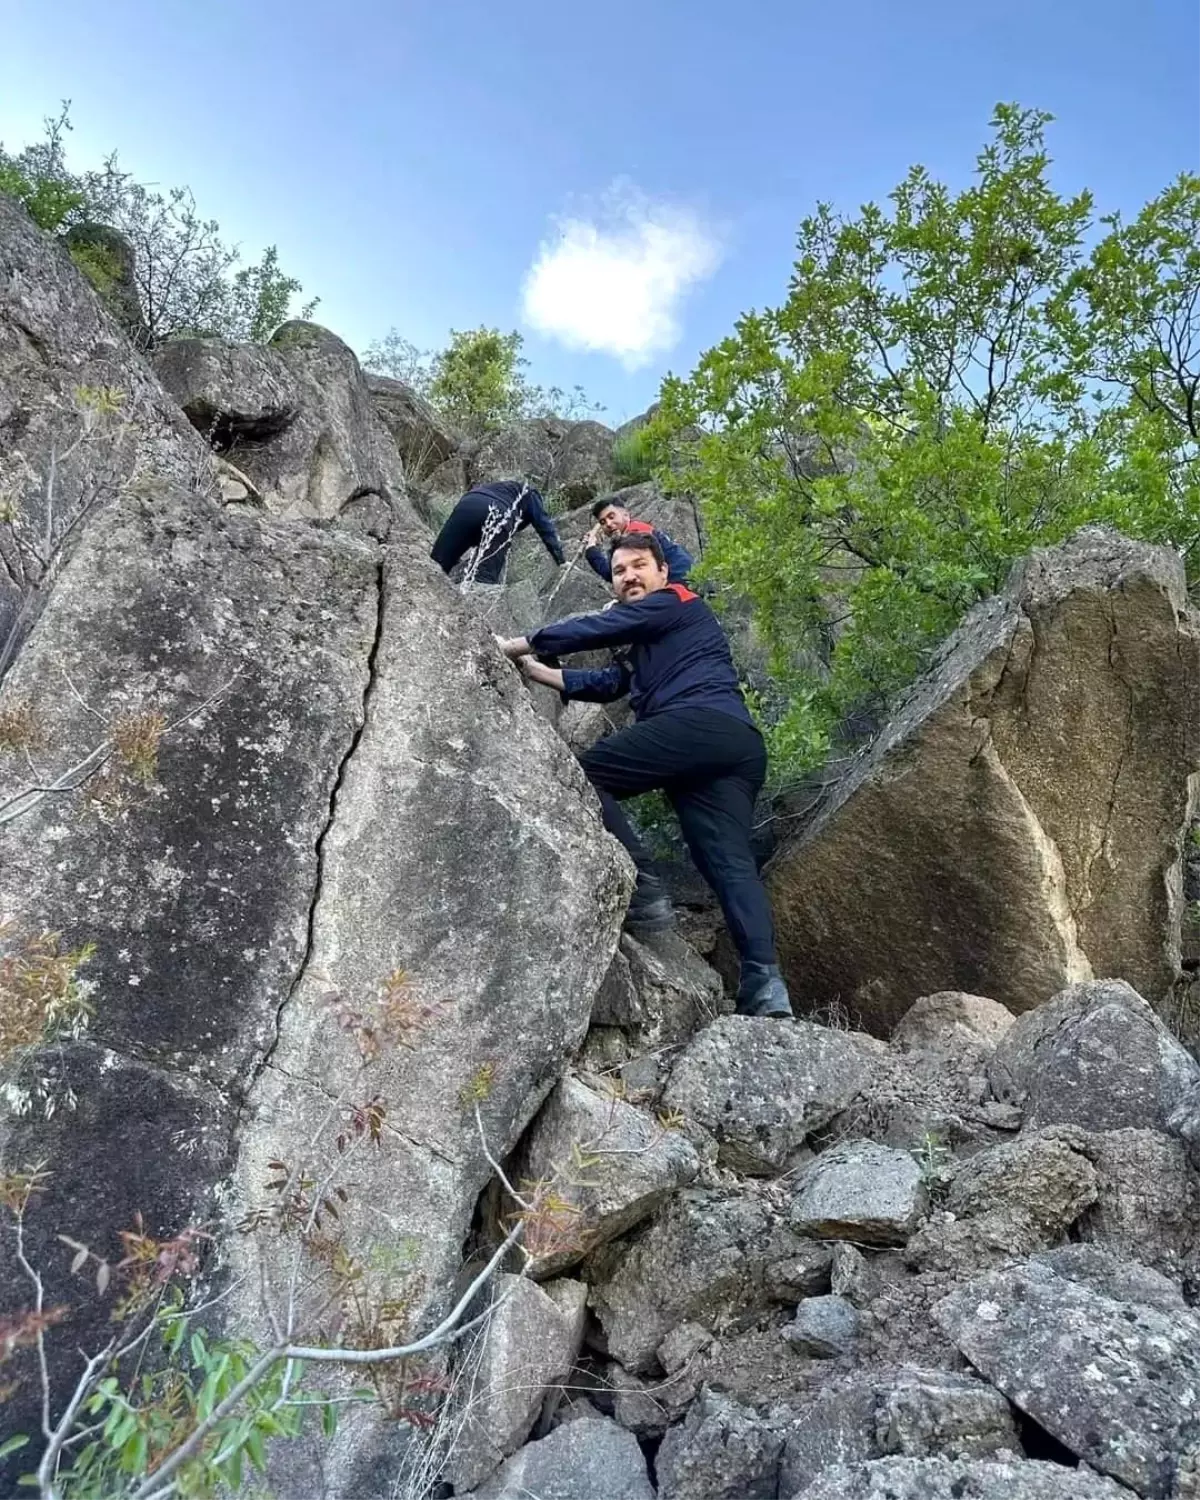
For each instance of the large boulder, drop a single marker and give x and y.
(1116, 1382)
(569, 461)
(297, 891)
(763, 1089)
(82, 417)
(722, 1451)
(588, 1459)
(525, 1348)
(950, 1479)
(1096, 1056)
(914, 1412)
(702, 1260)
(1017, 825)
(107, 259)
(423, 440)
(1020, 1196)
(296, 415)
(611, 1166)
(860, 1191)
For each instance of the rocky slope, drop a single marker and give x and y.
(312, 938)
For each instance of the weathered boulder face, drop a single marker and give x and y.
(82, 418)
(526, 1348)
(762, 1089)
(571, 461)
(1017, 825)
(612, 1164)
(424, 441)
(949, 1479)
(589, 1459)
(323, 886)
(1096, 1056)
(1116, 1382)
(296, 415)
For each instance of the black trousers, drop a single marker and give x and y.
(462, 531)
(711, 767)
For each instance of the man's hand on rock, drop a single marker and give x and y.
(593, 537)
(514, 647)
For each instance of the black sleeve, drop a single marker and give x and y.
(540, 521)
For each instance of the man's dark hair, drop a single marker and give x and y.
(602, 505)
(639, 541)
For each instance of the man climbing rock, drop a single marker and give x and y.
(694, 738)
(613, 520)
(488, 517)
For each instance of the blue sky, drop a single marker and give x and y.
(412, 158)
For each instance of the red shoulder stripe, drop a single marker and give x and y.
(680, 592)
(639, 528)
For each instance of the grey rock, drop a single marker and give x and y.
(682, 1345)
(422, 439)
(1114, 1277)
(646, 1407)
(699, 1261)
(76, 401)
(614, 1165)
(850, 1275)
(1095, 1056)
(1017, 825)
(588, 1459)
(1116, 1382)
(722, 1451)
(911, 1411)
(295, 415)
(948, 1479)
(1021, 1196)
(527, 1347)
(675, 993)
(824, 1327)
(953, 1027)
(242, 892)
(806, 1271)
(860, 1191)
(569, 461)
(1146, 1196)
(761, 1089)
(838, 1426)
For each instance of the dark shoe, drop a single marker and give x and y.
(762, 992)
(651, 909)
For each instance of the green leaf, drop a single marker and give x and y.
(13, 1444)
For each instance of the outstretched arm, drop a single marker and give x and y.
(540, 520)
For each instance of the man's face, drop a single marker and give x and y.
(614, 520)
(636, 574)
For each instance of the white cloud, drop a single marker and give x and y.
(614, 280)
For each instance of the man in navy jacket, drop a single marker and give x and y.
(493, 514)
(613, 520)
(694, 738)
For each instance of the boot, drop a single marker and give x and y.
(762, 992)
(650, 910)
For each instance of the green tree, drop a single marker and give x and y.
(189, 280)
(477, 382)
(952, 380)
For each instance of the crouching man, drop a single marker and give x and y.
(694, 739)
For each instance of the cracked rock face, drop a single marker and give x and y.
(346, 843)
(1017, 825)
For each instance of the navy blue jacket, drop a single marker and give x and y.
(532, 512)
(679, 656)
(677, 558)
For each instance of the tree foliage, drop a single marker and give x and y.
(189, 281)
(477, 382)
(953, 379)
